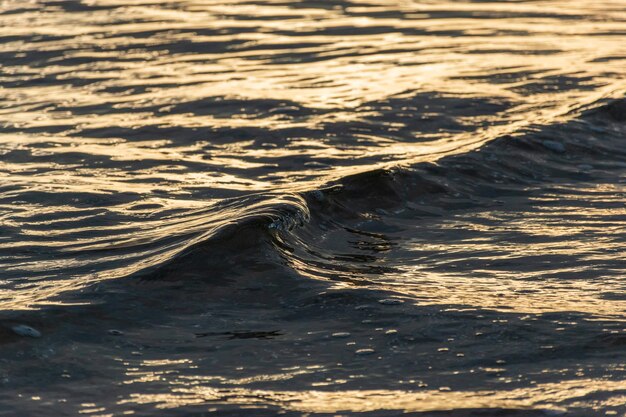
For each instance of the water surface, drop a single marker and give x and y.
(302, 207)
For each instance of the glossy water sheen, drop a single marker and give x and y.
(217, 205)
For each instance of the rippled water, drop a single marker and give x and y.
(327, 207)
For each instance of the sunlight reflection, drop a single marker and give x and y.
(536, 397)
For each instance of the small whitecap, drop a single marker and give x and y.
(24, 330)
(365, 351)
(390, 301)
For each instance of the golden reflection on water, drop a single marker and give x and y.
(349, 70)
(538, 397)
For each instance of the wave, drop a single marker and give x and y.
(294, 231)
(289, 234)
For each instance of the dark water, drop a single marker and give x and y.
(254, 208)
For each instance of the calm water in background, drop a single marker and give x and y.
(313, 207)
